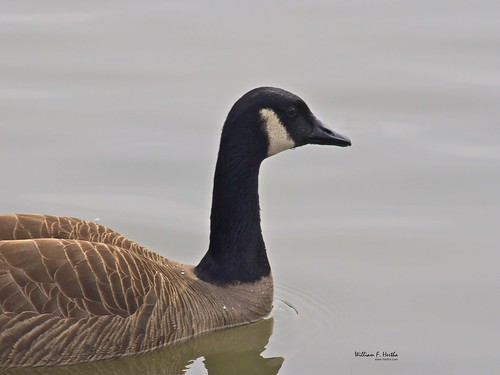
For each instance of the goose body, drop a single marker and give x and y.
(74, 291)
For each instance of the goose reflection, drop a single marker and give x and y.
(229, 351)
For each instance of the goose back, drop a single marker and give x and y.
(74, 291)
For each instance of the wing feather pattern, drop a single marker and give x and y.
(74, 291)
(34, 271)
(61, 276)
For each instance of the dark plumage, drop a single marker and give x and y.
(74, 291)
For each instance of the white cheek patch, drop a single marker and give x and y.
(277, 136)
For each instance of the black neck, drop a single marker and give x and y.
(237, 251)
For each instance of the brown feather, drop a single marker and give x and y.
(73, 291)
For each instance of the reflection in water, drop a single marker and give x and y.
(229, 351)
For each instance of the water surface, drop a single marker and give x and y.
(112, 110)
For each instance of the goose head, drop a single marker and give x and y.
(269, 120)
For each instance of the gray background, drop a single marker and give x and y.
(113, 110)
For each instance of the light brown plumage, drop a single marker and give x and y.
(74, 291)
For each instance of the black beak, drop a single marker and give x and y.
(324, 136)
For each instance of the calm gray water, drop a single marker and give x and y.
(112, 110)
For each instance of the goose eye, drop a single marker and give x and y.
(291, 112)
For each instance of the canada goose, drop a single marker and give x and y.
(74, 291)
